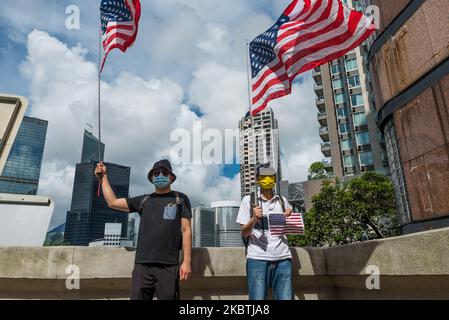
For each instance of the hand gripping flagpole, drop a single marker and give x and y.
(100, 177)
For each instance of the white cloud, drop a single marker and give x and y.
(138, 116)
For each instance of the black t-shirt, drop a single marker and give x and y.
(160, 236)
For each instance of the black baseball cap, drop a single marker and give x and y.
(165, 164)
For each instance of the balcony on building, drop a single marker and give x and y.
(316, 74)
(318, 87)
(320, 103)
(328, 166)
(356, 109)
(326, 149)
(350, 55)
(367, 168)
(349, 170)
(322, 118)
(324, 134)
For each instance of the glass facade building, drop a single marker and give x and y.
(23, 166)
(228, 230)
(217, 226)
(89, 213)
(90, 148)
(203, 227)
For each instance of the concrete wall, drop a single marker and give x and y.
(24, 219)
(413, 266)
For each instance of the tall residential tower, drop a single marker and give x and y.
(351, 138)
(266, 146)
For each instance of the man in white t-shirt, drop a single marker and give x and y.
(268, 257)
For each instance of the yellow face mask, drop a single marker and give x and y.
(267, 182)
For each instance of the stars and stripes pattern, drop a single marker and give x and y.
(280, 225)
(119, 24)
(308, 34)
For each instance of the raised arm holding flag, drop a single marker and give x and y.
(118, 30)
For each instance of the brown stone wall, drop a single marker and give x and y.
(311, 188)
(419, 45)
(389, 9)
(423, 133)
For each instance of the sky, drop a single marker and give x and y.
(188, 64)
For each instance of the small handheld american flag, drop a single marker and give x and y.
(119, 24)
(281, 225)
(308, 34)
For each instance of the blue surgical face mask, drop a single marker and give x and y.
(161, 181)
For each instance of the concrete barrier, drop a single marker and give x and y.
(411, 267)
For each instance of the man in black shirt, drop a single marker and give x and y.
(165, 229)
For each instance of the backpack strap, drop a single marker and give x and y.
(178, 198)
(142, 203)
(281, 200)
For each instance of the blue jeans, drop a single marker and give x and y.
(274, 274)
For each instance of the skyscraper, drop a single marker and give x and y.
(89, 213)
(266, 143)
(217, 226)
(23, 166)
(90, 148)
(349, 130)
(228, 230)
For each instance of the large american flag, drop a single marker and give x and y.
(119, 24)
(281, 225)
(308, 34)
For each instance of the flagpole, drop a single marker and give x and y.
(99, 94)
(99, 107)
(253, 134)
(250, 105)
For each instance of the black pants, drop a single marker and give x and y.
(152, 278)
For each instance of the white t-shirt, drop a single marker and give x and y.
(263, 246)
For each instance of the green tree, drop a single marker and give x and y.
(359, 210)
(317, 171)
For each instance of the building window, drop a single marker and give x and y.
(348, 161)
(397, 174)
(362, 138)
(346, 144)
(366, 158)
(343, 128)
(337, 84)
(335, 69)
(357, 100)
(339, 98)
(342, 113)
(354, 82)
(351, 64)
(359, 119)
